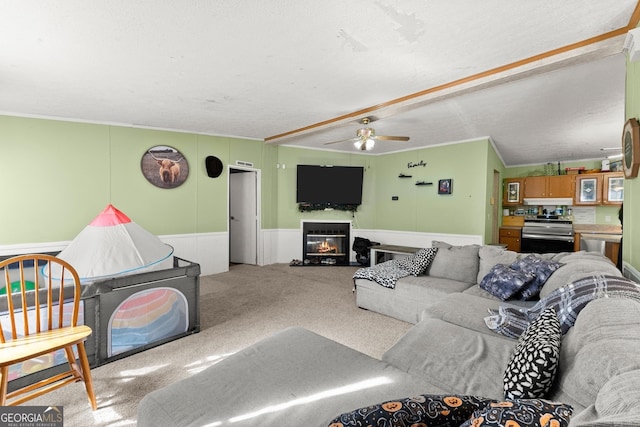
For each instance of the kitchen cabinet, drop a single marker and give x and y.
(512, 191)
(556, 186)
(511, 236)
(613, 188)
(595, 189)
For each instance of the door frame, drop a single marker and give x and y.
(496, 195)
(258, 183)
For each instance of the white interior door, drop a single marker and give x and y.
(243, 217)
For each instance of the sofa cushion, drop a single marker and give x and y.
(419, 262)
(492, 255)
(424, 409)
(603, 343)
(534, 362)
(504, 282)
(522, 412)
(473, 365)
(465, 310)
(459, 263)
(290, 376)
(409, 298)
(573, 266)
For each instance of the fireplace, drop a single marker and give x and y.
(325, 243)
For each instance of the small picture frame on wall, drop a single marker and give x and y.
(445, 186)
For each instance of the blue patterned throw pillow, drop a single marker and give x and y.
(539, 270)
(504, 282)
(425, 409)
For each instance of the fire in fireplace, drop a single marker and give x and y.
(325, 243)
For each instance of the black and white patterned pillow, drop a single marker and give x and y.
(534, 361)
(419, 262)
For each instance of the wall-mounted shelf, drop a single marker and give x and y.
(423, 183)
(404, 176)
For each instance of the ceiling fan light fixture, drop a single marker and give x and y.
(366, 137)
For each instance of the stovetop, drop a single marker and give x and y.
(563, 219)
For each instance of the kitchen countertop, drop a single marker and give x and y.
(597, 229)
(608, 233)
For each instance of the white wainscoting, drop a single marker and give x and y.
(416, 239)
(211, 250)
(32, 248)
(286, 244)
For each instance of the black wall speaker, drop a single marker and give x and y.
(214, 166)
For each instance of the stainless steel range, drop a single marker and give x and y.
(547, 233)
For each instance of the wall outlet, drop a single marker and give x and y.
(607, 218)
(394, 197)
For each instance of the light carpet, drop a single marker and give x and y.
(237, 308)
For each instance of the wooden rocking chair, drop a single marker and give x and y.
(41, 321)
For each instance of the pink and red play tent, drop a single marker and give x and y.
(112, 245)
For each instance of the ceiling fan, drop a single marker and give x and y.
(366, 137)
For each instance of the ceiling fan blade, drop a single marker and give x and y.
(392, 138)
(342, 140)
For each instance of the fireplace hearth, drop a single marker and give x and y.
(325, 243)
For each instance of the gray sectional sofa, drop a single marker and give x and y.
(458, 269)
(298, 378)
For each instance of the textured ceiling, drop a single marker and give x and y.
(304, 72)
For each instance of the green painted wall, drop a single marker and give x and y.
(631, 229)
(418, 208)
(59, 175)
(62, 174)
(421, 208)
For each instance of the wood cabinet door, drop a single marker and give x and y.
(560, 186)
(588, 189)
(511, 238)
(512, 191)
(613, 188)
(535, 186)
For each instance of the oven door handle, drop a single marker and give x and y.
(547, 237)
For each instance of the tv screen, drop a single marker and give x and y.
(332, 185)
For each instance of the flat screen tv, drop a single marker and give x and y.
(330, 185)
